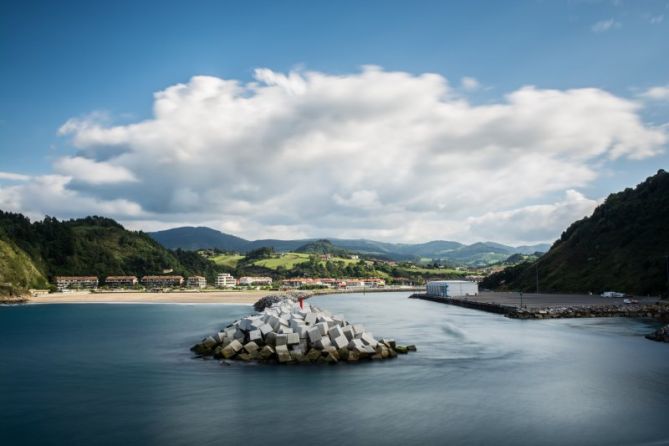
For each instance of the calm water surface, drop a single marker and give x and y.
(123, 375)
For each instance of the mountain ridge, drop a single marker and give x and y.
(478, 254)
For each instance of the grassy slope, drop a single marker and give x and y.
(17, 269)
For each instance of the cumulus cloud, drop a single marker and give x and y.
(11, 176)
(93, 172)
(659, 93)
(605, 25)
(376, 154)
(533, 223)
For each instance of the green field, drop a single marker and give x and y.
(229, 260)
(287, 260)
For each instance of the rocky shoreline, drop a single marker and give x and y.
(659, 335)
(286, 332)
(650, 311)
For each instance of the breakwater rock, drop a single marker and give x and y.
(660, 335)
(651, 311)
(286, 333)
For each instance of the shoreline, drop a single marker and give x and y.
(183, 297)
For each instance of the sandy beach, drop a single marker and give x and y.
(218, 297)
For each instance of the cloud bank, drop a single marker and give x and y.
(378, 154)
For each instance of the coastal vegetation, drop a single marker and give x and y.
(33, 252)
(623, 246)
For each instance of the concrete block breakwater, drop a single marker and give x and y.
(285, 332)
(659, 311)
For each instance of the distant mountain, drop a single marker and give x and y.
(621, 247)
(477, 254)
(322, 247)
(194, 238)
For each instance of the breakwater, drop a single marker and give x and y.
(285, 332)
(659, 311)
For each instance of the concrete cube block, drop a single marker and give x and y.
(283, 354)
(251, 347)
(235, 345)
(356, 344)
(255, 335)
(266, 352)
(230, 332)
(302, 331)
(335, 332)
(322, 343)
(270, 338)
(340, 342)
(315, 334)
(292, 338)
(285, 330)
(310, 319)
(265, 328)
(348, 332)
(323, 327)
(209, 342)
(281, 339)
(368, 339)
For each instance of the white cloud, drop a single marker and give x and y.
(659, 93)
(469, 84)
(656, 19)
(533, 223)
(11, 176)
(605, 25)
(93, 172)
(375, 154)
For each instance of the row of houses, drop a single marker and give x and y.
(162, 281)
(300, 282)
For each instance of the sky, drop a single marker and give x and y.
(390, 120)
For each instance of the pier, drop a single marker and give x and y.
(556, 306)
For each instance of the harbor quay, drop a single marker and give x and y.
(554, 306)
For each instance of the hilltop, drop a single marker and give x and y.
(32, 252)
(622, 247)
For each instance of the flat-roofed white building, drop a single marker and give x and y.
(225, 280)
(452, 288)
(255, 280)
(196, 282)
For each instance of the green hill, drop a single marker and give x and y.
(621, 247)
(17, 271)
(92, 246)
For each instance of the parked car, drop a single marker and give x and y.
(612, 294)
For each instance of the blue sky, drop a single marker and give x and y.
(104, 61)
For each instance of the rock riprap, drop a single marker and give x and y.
(660, 335)
(286, 333)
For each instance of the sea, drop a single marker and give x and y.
(122, 374)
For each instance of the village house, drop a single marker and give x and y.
(75, 282)
(247, 280)
(196, 282)
(162, 281)
(225, 280)
(121, 281)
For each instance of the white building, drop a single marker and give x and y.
(452, 288)
(225, 280)
(255, 280)
(196, 282)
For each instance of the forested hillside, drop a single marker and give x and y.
(623, 247)
(88, 246)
